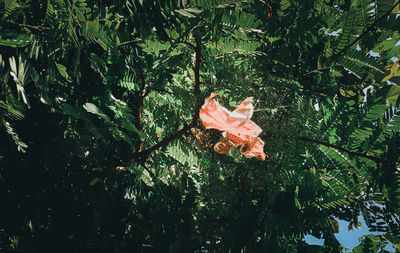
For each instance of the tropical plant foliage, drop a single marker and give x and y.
(97, 100)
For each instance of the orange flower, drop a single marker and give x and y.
(237, 127)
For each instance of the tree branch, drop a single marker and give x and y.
(144, 153)
(189, 44)
(139, 108)
(151, 174)
(365, 32)
(142, 95)
(375, 159)
(32, 27)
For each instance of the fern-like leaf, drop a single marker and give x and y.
(20, 71)
(56, 12)
(351, 67)
(350, 26)
(10, 112)
(363, 60)
(154, 47)
(182, 154)
(392, 119)
(10, 130)
(240, 19)
(338, 188)
(229, 46)
(8, 6)
(128, 82)
(359, 18)
(211, 4)
(12, 39)
(95, 32)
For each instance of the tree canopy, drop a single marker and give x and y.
(102, 148)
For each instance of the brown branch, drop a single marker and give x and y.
(142, 96)
(139, 108)
(35, 27)
(375, 159)
(366, 31)
(140, 155)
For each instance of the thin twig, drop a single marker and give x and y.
(149, 171)
(139, 108)
(366, 31)
(189, 44)
(375, 159)
(144, 153)
(315, 71)
(35, 27)
(159, 91)
(142, 96)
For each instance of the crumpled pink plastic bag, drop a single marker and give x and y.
(243, 133)
(223, 146)
(237, 127)
(253, 147)
(214, 115)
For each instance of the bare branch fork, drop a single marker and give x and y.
(375, 159)
(144, 153)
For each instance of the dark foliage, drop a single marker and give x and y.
(97, 100)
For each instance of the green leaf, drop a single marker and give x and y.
(186, 13)
(21, 146)
(63, 71)
(193, 10)
(389, 46)
(20, 71)
(393, 94)
(92, 108)
(18, 40)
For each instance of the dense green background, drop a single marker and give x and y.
(97, 100)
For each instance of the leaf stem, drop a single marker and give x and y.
(305, 139)
(32, 27)
(142, 96)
